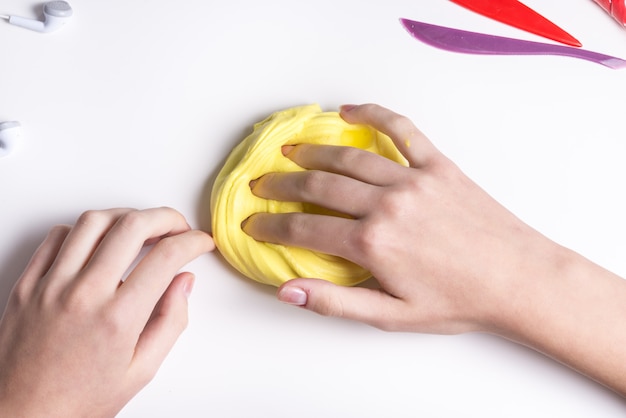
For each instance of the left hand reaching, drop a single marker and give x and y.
(77, 341)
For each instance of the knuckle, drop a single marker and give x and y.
(347, 157)
(173, 213)
(447, 170)
(111, 321)
(389, 319)
(76, 302)
(76, 298)
(132, 221)
(367, 240)
(394, 203)
(293, 226)
(312, 182)
(91, 217)
(401, 123)
(114, 322)
(329, 306)
(169, 250)
(20, 295)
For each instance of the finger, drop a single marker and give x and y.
(123, 242)
(42, 259)
(316, 232)
(145, 285)
(168, 321)
(82, 241)
(331, 191)
(371, 306)
(348, 161)
(412, 143)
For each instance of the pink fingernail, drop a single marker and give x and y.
(293, 296)
(286, 149)
(346, 107)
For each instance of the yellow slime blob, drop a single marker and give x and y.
(232, 200)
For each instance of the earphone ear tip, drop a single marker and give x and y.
(58, 8)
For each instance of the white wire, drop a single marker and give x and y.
(4, 17)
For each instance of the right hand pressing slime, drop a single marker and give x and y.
(439, 246)
(447, 256)
(232, 202)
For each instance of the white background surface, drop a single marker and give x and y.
(138, 104)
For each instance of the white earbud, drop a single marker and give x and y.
(10, 133)
(56, 14)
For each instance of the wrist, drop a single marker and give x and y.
(534, 291)
(515, 277)
(571, 310)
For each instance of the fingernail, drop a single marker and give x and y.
(346, 107)
(286, 149)
(293, 296)
(189, 286)
(244, 222)
(252, 183)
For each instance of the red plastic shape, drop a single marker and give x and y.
(517, 14)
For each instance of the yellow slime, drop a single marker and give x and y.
(232, 201)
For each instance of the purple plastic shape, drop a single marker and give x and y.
(457, 40)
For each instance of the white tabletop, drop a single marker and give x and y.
(138, 104)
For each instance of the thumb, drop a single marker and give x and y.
(169, 319)
(371, 306)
